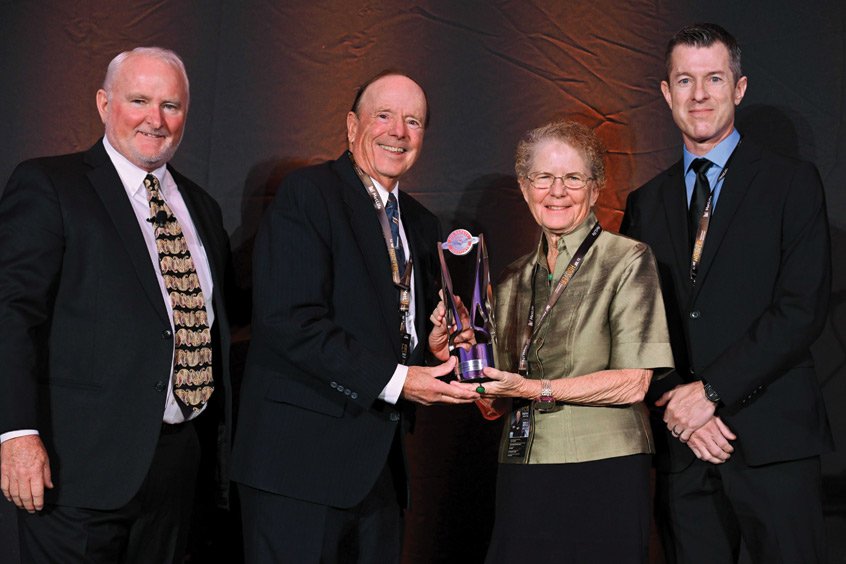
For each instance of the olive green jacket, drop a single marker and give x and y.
(610, 316)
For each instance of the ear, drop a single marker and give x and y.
(739, 90)
(594, 194)
(524, 188)
(668, 96)
(102, 104)
(352, 127)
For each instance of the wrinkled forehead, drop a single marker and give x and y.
(395, 92)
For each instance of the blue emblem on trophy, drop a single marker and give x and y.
(481, 353)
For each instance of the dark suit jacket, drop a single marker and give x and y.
(87, 349)
(326, 338)
(758, 304)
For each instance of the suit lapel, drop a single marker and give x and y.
(742, 170)
(368, 235)
(209, 237)
(106, 182)
(674, 198)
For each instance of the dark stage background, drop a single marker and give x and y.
(271, 82)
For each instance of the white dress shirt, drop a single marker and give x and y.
(391, 392)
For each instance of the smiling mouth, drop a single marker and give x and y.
(151, 135)
(397, 150)
(557, 208)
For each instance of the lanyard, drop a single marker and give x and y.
(402, 282)
(569, 273)
(705, 221)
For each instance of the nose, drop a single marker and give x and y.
(155, 116)
(558, 189)
(397, 128)
(699, 90)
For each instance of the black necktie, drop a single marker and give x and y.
(393, 220)
(701, 190)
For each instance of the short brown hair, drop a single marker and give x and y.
(705, 35)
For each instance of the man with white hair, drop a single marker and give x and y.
(115, 337)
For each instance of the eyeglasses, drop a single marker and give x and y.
(571, 180)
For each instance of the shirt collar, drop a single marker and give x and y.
(383, 194)
(571, 240)
(132, 176)
(719, 155)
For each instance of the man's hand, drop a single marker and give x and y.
(711, 441)
(25, 472)
(687, 410)
(422, 386)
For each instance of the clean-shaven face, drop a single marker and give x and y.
(702, 95)
(386, 135)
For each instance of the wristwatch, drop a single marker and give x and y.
(710, 392)
(545, 402)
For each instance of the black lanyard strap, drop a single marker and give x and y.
(575, 263)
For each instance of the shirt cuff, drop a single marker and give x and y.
(15, 434)
(391, 392)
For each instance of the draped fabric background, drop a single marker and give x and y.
(271, 82)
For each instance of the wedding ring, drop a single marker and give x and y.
(675, 433)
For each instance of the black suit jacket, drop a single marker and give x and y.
(758, 304)
(87, 349)
(326, 338)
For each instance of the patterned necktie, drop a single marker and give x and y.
(393, 218)
(192, 358)
(701, 190)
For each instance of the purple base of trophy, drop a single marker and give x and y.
(471, 363)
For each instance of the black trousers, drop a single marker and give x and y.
(281, 529)
(152, 527)
(703, 511)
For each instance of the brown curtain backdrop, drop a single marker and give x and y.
(272, 80)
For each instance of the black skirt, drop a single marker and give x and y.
(581, 513)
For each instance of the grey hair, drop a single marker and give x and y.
(166, 56)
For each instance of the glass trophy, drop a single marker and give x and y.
(481, 352)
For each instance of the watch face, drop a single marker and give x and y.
(711, 394)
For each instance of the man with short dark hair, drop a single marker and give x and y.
(742, 243)
(115, 338)
(344, 264)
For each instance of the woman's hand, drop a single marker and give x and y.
(439, 336)
(508, 385)
(504, 385)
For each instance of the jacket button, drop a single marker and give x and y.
(347, 391)
(354, 395)
(694, 314)
(540, 341)
(334, 384)
(394, 416)
(167, 334)
(160, 386)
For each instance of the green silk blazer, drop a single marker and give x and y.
(610, 316)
